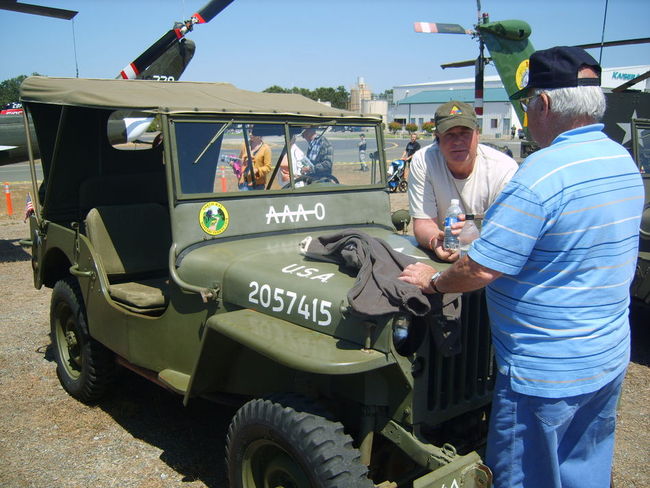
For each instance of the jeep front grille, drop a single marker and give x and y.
(462, 382)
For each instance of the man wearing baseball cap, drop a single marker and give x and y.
(456, 167)
(557, 252)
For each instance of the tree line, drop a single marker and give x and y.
(338, 97)
(10, 89)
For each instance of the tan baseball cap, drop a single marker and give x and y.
(453, 114)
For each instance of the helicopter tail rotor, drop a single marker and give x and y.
(439, 28)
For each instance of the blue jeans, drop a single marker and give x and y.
(536, 442)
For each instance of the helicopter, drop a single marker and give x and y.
(165, 60)
(509, 46)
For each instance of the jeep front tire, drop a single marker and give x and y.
(286, 441)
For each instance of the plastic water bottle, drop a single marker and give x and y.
(467, 234)
(451, 241)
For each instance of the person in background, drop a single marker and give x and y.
(457, 166)
(260, 153)
(557, 253)
(319, 153)
(297, 160)
(362, 152)
(411, 148)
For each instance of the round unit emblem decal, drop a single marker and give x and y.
(521, 76)
(213, 218)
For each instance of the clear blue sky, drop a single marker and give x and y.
(258, 43)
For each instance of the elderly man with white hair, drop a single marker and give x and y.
(557, 253)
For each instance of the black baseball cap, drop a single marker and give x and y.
(558, 67)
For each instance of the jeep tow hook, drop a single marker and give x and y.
(209, 294)
(206, 293)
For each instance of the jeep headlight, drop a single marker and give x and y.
(401, 325)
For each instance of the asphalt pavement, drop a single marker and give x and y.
(18, 172)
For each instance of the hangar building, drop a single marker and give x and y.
(417, 103)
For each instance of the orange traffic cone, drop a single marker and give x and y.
(10, 209)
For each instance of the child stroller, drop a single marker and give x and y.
(396, 181)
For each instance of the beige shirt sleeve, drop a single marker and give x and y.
(422, 201)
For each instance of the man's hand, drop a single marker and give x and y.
(419, 274)
(435, 244)
(446, 254)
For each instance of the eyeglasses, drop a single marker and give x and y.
(525, 102)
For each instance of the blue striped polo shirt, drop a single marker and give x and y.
(564, 232)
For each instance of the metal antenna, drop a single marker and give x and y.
(602, 36)
(74, 45)
(480, 65)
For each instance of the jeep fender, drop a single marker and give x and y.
(284, 343)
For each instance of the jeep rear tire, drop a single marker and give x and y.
(85, 368)
(286, 441)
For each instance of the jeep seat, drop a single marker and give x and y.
(132, 242)
(122, 190)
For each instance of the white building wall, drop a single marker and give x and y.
(498, 118)
(420, 113)
(399, 91)
(502, 112)
(613, 77)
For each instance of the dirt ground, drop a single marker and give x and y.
(142, 436)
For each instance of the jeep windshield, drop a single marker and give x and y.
(224, 156)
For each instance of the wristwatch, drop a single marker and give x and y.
(433, 280)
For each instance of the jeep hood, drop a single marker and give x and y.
(269, 274)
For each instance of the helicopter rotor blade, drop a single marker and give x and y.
(463, 64)
(211, 10)
(439, 28)
(203, 16)
(623, 42)
(27, 8)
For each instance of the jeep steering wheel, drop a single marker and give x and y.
(309, 179)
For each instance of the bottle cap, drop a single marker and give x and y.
(455, 201)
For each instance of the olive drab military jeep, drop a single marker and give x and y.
(640, 289)
(176, 254)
